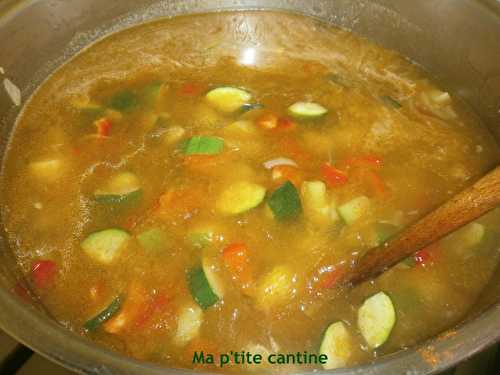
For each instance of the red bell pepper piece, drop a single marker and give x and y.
(103, 127)
(333, 177)
(43, 273)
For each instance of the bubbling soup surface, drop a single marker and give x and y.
(200, 183)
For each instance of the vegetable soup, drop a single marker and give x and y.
(201, 183)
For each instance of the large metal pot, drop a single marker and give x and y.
(456, 40)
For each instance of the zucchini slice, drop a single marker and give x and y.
(215, 282)
(106, 245)
(124, 100)
(316, 206)
(188, 324)
(153, 240)
(200, 288)
(354, 209)
(47, 169)
(201, 236)
(228, 99)
(275, 289)
(336, 345)
(122, 188)
(307, 111)
(106, 314)
(376, 319)
(240, 197)
(284, 202)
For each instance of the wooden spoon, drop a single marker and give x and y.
(463, 208)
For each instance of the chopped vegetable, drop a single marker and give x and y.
(43, 273)
(152, 92)
(333, 177)
(91, 109)
(123, 101)
(210, 269)
(354, 209)
(376, 318)
(282, 173)
(267, 121)
(201, 237)
(200, 288)
(105, 246)
(285, 124)
(131, 307)
(153, 240)
(103, 126)
(240, 197)
(275, 288)
(316, 206)
(336, 345)
(189, 321)
(122, 188)
(285, 202)
(237, 260)
(203, 145)
(241, 128)
(270, 164)
(104, 315)
(228, 99)
(191, 89)
(173, 134)
(307, 111)
(390, 102)
(47, 169)
(384, 231)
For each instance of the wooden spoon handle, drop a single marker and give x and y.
(463, 208)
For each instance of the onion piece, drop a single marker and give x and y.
(270, 164)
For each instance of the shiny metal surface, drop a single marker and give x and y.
(458, 41)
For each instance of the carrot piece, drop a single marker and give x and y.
(285, 124)
(363, 161)
(267, 121)
(43, 273)
(191, 89)
(237, 260)
(103, 127)
(154, 305)
(182, 200)
(333, 177)
(283, 173)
